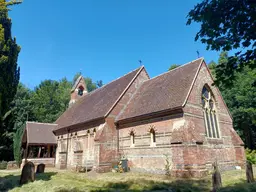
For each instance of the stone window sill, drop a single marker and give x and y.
(153, 145)
(80, 151)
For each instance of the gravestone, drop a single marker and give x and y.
(40, 168)
(28, 173)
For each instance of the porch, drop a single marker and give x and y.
(39, 144)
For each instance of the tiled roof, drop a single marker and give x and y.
(40, 133)
(95, 104)
(164, 92)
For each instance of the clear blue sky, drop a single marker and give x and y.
(103, 39)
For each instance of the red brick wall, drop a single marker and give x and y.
(228, 149)
(107, 145)
(183, 138)
(142, 156)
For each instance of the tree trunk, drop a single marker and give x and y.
(249, 172)
(247, 135)
(216, 178)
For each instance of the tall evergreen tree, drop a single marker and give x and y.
(17, 139)
(9, 73)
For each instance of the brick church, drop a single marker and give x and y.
(178, 115)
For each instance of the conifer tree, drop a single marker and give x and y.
(9, 72)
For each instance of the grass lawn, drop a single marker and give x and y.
(63, 181)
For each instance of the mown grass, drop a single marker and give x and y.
(64, 181)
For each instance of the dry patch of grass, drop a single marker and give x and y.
(63, 181)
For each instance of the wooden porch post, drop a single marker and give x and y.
(26, 152)
(39, 152)
(48, 150)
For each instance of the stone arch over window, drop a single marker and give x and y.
(94, 132)
(132, 137)
(152, 132)
(210, 113)
(80, 90)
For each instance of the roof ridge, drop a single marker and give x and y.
(126, 88)
(193, 82)
(176, 68)
(41, 123)
(113, 81)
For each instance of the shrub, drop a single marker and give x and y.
(3, 165)
(250, 155)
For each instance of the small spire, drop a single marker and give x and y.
(140, 62)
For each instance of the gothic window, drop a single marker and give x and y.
(80, 91)
(210, 116)
(94, 132)
(153, 137)
(132, 138)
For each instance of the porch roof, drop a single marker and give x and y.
(39, 133)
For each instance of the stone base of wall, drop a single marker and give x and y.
(60, 166)
(12, 165)
(103, 169)
(49, 162)
(189, 173)
(174, 173)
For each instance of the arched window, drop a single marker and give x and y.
(210, 116)
(152, 137)
(132, 138)
(80, 91)
(89, 138)
(94, 132)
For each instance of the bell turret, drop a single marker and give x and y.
(78, 90)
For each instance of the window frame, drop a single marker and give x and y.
(132, 139)
(210, 114)
(152, 137)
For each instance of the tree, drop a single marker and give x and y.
(22, 107)
(173, 66)
(227, 25)
(99, 83)
(89, 84)
(212, 66)
(241, 100)
(20, 111)
(17, 139)
(9, 75)
(50, 99)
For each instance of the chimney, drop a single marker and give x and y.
(78, 90)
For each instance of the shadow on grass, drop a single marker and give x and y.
(149, 185)
(11, 181)
(240, 187)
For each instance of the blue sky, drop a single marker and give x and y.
(104, 39)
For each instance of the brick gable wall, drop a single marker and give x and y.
(183, 138)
